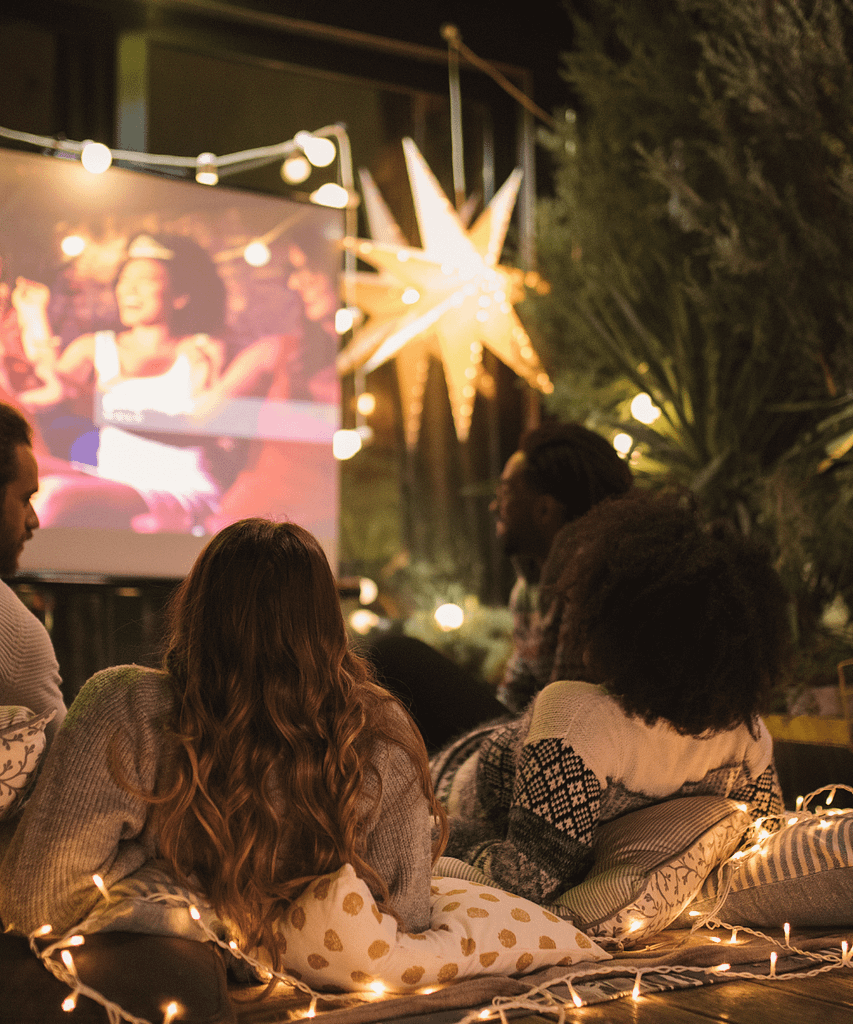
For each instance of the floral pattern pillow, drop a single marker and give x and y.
(22, 743)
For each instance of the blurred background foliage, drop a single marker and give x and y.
(699, 246)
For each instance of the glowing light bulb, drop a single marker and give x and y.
(643, 409)
(170, 1012)
(76, 940)
(366, 403)
(95, 157)
(623, 443)
(377, 987)
(368, 591)
(723, 967)
(448, 617)
(576, 999)
(69, 1002)
(102, 889)
(332, 195)
(257, 254)
(787, 930)
(72, 245)
(295, 169)
(45, 929)
(205, 169)
(363, 620)
(319, 150)
(346, 444)
(410, 296)
(344, 320)
(194, 914)
(635, 991)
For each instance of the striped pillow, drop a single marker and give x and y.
(802, 874)
(651, 863)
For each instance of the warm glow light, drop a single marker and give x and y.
(635, 926)
(410, 296)
(312, 1009)
(44, 930)
(205, 169)
(69, 1002)
(346, 444)
(799, 803)
(448, 616)
(787, 930)
(344, 320)
(576, 999)
(733, 939)
(72, 245)
(319, 150)
(170, 1012)
(623, 443)
(377, 987)
(773, 957)
(257, 254)
(715, 938)
(643, 409)
(76, 940)
(366, 403)
(96, 157)
(368, 591)
(102, 889)
(723, 967)
(635, 991)
(295, 169)
(332, 195)
(363, 620)
(194, 914)
(68, 960)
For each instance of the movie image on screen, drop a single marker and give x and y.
(173, 346)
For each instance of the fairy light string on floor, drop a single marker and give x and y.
(551, 998)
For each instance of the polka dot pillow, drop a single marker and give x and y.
(335, 936)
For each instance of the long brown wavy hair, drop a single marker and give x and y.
(275, 723)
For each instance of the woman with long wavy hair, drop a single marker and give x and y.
(261, 757)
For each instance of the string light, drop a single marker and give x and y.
(787, 930)
(635, 991)
(209, 168)
(773, 957)
(205, 169)
(69, 1002)
(102, 889)
(170, 1012)
(95, 157)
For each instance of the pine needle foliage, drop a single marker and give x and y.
(699, 247)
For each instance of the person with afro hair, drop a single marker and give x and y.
(683, 630)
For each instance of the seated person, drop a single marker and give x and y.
(559, 472)
(261, 757)
(29, 673)
(683, 631)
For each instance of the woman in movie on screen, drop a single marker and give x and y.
(171, 305)
(261, 757)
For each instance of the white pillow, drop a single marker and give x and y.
(22, 743)
(334, 936)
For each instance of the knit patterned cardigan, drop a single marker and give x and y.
(526, 798)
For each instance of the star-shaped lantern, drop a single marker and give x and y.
(449, 299)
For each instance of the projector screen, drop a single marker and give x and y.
(173, 346)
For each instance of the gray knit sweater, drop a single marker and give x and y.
(81, 822)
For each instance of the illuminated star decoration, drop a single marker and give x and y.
(449, 299)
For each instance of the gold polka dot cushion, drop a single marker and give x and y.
(22, 743)
(336, 937)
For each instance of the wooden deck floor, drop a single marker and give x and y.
(823, 1000)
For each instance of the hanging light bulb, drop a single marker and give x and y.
(366, 403)
(295, 169)
(319, 150)
(257, 254)
(205, 169)
(346, 444)
(330, 194)
(95, 157)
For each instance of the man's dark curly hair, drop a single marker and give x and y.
(574, 465)
(678, 621)
(14, 431)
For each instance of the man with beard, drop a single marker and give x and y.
(29, 673)
(559, 472)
